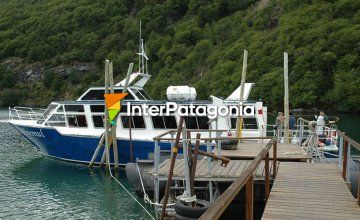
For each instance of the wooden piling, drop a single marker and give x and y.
(249, 198)
(171, 169)
(107, 125)
(113, 127)
(345, 159)
(267, 177)
(239, 122)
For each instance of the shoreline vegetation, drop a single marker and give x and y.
(55, 50)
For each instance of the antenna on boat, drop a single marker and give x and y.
(139, 47)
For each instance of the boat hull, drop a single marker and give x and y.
(81, 148)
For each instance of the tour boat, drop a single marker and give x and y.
(70, 130)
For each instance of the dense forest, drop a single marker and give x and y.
(55, 49)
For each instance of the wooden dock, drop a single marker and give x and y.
(233, 170)
(310, 191)
(285, 152)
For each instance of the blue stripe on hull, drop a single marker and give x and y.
(80, 148)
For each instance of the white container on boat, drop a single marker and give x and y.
(181, 93)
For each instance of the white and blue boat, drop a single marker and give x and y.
(70, 130)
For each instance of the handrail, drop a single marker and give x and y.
(348, 139)
(345, 149)
(219, 206)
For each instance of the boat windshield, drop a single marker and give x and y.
(98, 94)
(47, 112)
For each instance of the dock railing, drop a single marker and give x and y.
(218, 207)
(246, 178)
(345, 145)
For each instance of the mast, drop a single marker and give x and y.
(140, 48)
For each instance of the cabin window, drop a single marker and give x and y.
(161, 122)
(98, 94)
(191, 123)
(248, 123)
(49, 110)
(136, 122)
(74, 108)
(200, 122)
(60, 109)
(98, 121)
(143, 93)
(170, 122)
(203, 122)
(56, 120)
(76, 121)
(97, 108)
(138, 94)
(158, 122)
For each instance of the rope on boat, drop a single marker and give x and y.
(130, 194)
(146, 197)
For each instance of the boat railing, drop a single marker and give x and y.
(346, 147)
(25, 113)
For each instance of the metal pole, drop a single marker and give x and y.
(186, 163)
(286, 99)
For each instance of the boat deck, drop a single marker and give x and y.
(310, 191)
(232, 171)
(285, 152)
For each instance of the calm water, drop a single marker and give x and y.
(37, 187)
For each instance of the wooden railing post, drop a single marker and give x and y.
(249, 198)
(267, 177)
(275, 159)
(345, 159)
(358, 194)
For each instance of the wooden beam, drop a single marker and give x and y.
(239, 121)
(107, 142)
(249, 198)
(267, 177)
(345, 159)
(113, 127)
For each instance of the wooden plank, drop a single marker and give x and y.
(285, 152)
(310, 191)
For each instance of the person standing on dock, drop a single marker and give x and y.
(279, 121)
(292, 121)
(321, 121)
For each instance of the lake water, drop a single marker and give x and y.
(37, 187)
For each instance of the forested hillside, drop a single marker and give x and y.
(55, 49)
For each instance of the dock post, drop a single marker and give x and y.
(156, 180)
(249, 198)
(113, 128)
(107, 141)
(274, 159)
(345, 159)
(286, 99)
(194, 163)
(239, 121)
(208, 149)
(186, 162)
(171, 169)
(267, 177)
